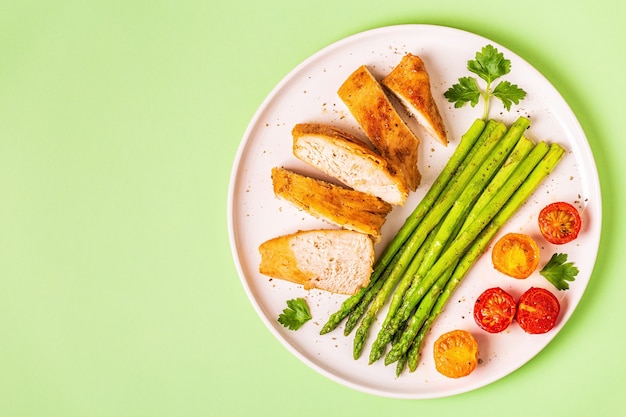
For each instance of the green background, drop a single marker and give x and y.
(119, 124)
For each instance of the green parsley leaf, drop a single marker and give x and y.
(558, 271)
(489, 65)
(295, 315)
(508, 93)
(465, 91)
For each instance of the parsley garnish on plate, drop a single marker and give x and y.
(558, 271)
(295, 315)
(489, 65)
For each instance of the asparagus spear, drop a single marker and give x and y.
(401, 365)
(402, 362)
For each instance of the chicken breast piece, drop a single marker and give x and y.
(349, 160)
(410, 83)
(341, 206)
(367, 101)
(338, 261)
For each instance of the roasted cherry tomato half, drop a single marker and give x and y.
(516, 255)
(494, 310)
(537, 310)
(559, 222)
(456, 353)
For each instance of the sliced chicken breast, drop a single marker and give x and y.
(410, 83)
(339, 205)
(349, 160)
(338, 261)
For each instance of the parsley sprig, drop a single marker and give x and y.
(295, 315)
(489, 65)
(558, 271)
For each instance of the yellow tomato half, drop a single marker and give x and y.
(456, 353)
(516, 255)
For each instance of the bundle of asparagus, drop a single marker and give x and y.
(493, 171)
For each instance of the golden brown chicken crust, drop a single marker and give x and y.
(342, 206)
(279, 261)
(321, 129)
(365, 98)
(410, 82)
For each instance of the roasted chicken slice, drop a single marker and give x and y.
(347, 159)
(367, 101)
(338, 261)
(341, 206)
(410, 83)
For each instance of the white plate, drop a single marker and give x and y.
(308, 93)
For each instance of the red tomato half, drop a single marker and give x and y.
(537, 310)
(559, 222)
(494, 310)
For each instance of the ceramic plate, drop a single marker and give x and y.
(308, 94)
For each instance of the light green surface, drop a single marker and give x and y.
(119, 122)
